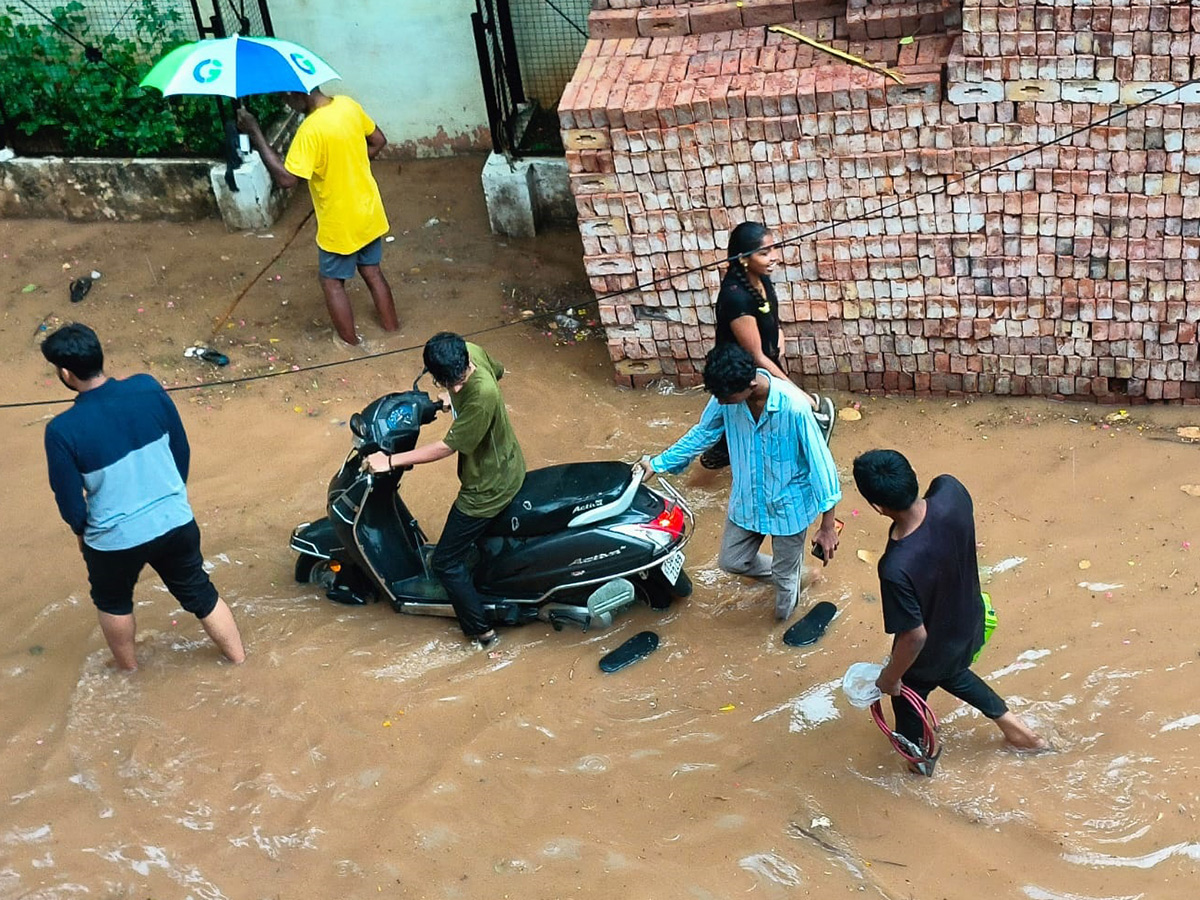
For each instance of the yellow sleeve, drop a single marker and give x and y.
(301, 158)
(368, 124)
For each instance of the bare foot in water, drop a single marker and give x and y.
(1020, 736)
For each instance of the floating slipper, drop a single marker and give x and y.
(80, 288)
(637, 647)
(810, 628)
(216, 357)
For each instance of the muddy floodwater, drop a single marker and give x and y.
(361, 753)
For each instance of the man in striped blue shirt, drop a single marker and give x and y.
(118, 461)
(783, 474)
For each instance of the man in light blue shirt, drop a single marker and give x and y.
(783, 474)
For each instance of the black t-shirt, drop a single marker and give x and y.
(931, 577)
(735, 301)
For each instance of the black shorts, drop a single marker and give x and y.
(175, 556)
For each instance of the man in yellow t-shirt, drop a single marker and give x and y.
(332, 150)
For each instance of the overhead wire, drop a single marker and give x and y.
(642, 286)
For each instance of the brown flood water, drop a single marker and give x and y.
(359, 753)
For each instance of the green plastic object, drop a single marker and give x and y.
(989, 623)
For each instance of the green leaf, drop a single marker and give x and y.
(29, 289)
(907, 40)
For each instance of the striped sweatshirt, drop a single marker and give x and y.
(783, 474)
(118, 461)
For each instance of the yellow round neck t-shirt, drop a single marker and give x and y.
(330, 152)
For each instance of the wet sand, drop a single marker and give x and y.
(362, 753)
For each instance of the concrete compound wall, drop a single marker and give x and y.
(94, 190)
(1072, 271)
(412, 65)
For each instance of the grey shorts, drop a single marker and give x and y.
(342, 265)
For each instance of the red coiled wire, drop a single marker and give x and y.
(930, 744)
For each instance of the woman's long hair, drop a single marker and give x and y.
(745, 239)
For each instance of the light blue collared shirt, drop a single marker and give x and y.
(783, 474)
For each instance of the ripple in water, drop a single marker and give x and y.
(593, 765)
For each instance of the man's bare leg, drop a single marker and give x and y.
(120, 632)
(339, 308)
(381, 294)
(1020, 735)
(223, 630)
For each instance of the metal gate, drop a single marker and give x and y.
(528, 50)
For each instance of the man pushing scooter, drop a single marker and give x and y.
(491, 467)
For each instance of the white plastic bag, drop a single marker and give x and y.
(858, 684)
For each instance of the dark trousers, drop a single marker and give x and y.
(449, 564)
(966, 686)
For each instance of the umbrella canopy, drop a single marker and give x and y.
(237, 67)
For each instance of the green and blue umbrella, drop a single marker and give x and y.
(237, 67)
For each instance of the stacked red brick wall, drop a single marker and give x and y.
(1071, 271)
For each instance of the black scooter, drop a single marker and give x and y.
(578, 543)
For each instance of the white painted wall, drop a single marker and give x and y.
(410, 63)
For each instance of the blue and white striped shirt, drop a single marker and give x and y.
(783, 474)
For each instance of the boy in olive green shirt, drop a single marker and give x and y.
(491, 467)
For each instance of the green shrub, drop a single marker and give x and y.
(66, 98)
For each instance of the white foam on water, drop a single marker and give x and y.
(271, 845)
(686, 768)
(1146, 861)
(540, 728)
(419, 661)
(156, 859)
(34, 835)
(1003, 566)
(1185, 722)
(814, 707)
(772, 867)
(1026, 660)
(1033, 892)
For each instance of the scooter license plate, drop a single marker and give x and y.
(672, 566)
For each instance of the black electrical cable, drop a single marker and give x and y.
(829, 226)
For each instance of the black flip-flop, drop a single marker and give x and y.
(80, 288)
(637, 647)
(810, 628)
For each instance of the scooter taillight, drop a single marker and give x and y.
(669, 520)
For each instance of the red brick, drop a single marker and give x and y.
(756, 13)
(612, 23)
(715, 17)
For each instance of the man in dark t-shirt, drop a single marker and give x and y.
(929, 585)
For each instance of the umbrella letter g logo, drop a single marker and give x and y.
(303, 63)
(207, 70)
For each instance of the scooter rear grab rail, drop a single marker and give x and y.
(675, 496)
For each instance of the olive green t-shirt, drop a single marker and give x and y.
(491, 467)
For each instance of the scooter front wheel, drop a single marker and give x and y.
(314, 570)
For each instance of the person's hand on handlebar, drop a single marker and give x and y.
(378, 463)
(444, 399)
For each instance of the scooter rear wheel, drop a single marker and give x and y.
(660, 593)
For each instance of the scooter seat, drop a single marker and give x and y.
(551, 498)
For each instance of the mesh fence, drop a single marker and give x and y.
(550, 35)
(248, 17)
(69, 73)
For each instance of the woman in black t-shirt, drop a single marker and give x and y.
(748, 315)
